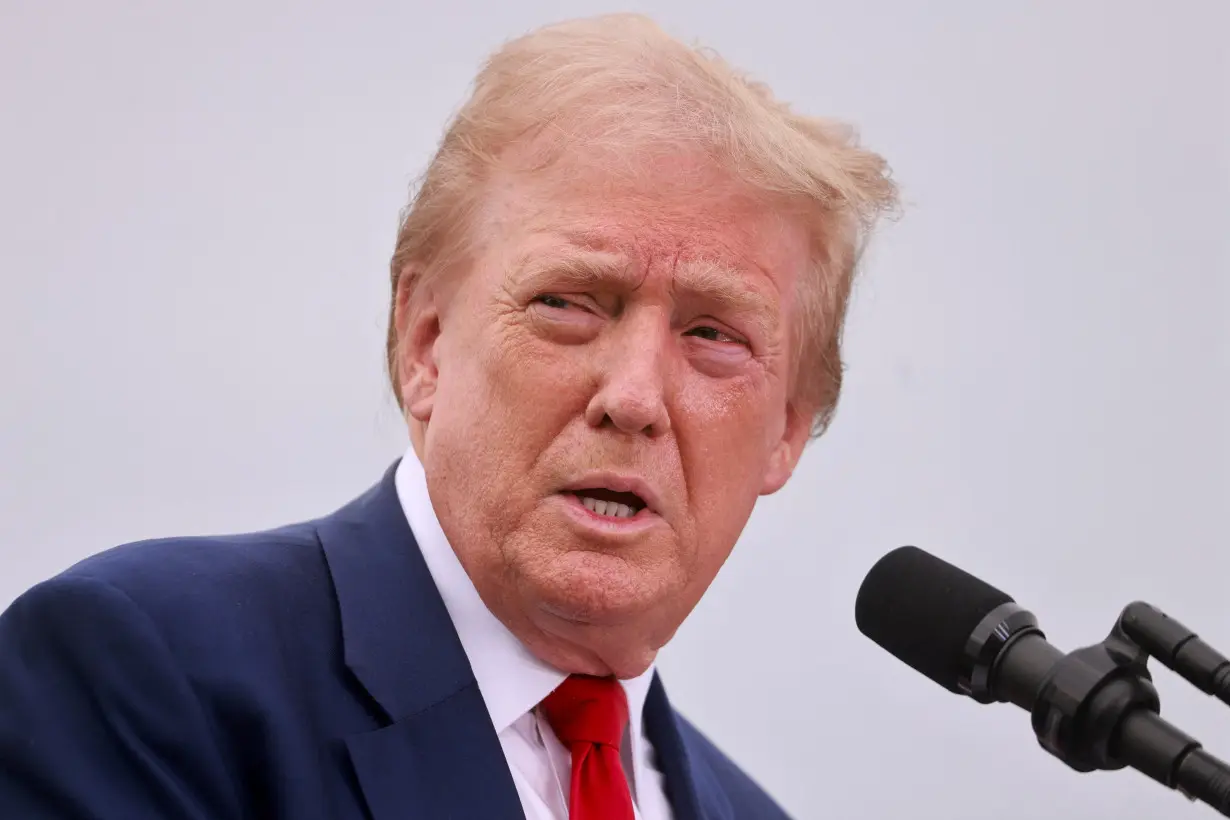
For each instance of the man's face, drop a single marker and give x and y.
(604, 396)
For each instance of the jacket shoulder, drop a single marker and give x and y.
(205, 564)
(212, 591)
(166, 677)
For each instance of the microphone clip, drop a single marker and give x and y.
(1097, 709)
(1084, 699)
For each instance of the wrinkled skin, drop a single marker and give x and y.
(641, 329)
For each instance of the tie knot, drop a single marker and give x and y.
(584, 709)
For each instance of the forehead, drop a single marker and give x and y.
(681, 215)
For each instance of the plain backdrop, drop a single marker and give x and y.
(198, 202)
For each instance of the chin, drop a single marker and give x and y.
(597, 589)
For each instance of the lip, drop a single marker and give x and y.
(620, 484)
(604, 527)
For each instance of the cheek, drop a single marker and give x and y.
(501, 404)
(535, 378)
(726, 434)
(506, 395)
(736, 418)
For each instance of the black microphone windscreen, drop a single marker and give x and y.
(923, 610)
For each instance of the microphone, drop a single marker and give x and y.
(1094, 709)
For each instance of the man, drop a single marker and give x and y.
(616, 305)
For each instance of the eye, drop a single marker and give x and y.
(552, 301)
(712, 334)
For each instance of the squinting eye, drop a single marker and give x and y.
(713, 334)
(552, 301)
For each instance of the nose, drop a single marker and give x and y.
(631, 396)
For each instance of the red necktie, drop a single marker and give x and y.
(589, 716)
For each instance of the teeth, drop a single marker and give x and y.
(611, 508)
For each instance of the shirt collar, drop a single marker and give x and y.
(512, 680)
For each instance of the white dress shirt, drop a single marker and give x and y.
(513, 682)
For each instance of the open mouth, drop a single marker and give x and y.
(609, 503)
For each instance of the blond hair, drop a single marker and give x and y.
(616, 81)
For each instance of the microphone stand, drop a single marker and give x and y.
(1098, 709)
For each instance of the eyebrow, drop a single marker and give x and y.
(726, 285)
(574, 268)
(583, 268)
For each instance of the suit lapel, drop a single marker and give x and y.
(438, 756)
(442, 763)
(692, 787)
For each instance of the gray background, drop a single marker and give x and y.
(197, 204)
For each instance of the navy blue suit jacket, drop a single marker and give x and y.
(306, 673)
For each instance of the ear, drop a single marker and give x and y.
(787, 452)
(418, 329)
